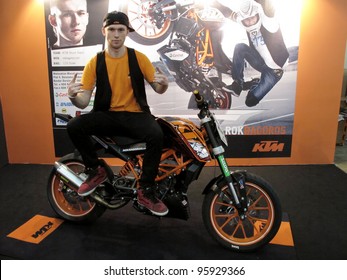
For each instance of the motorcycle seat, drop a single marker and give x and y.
(124, 140)
(127, 144)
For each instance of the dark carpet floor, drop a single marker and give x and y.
(314, 197)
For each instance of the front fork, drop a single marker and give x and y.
(235, 181)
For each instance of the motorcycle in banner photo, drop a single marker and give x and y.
(193, 54)
(240, 210)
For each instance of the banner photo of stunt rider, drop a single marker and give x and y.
(240, 54)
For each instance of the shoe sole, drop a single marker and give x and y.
(92, 190)
(234, 94)
(227, 90)
(153, 212)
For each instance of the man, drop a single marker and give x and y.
(120, 107)
(266, 51)
(69, 19)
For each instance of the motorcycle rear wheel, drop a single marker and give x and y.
(66, 202)
(146, 31)
(262, 221)
(223, 100)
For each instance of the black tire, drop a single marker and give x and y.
(66, 202)
(146, 31)
(263, 219)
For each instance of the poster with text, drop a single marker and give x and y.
(240, 54)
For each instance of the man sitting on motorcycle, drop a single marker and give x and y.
(120, 108)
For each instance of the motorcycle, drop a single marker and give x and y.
(193, 54)
(240, 210)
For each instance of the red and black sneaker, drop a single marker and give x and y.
(95, 178)
(147, 199)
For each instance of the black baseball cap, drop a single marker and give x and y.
(116, 17)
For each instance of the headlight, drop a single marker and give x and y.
(199, 149)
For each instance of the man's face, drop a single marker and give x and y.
(115, 35)
(250, 21)
(70, 21)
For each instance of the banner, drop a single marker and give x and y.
(241, 55)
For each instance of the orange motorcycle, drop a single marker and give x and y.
(240, 210)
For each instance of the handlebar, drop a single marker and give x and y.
(200, 101)
(175, 4)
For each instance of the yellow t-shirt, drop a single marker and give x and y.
(123, 98)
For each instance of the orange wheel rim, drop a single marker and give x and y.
(141, 21)
(66, 197)
(257, 224)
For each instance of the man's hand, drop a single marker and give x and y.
(74, 88)
(79, 100)
(160, 77)
(160, 81)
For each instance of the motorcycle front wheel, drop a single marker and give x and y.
(66, 202)
(262, 221)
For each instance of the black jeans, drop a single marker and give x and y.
(141, 126)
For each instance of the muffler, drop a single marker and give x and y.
(68, 175)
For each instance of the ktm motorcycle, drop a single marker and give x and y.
(193, 54)
(240, 210)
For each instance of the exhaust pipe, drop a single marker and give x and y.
(71, 177)
(68, 174)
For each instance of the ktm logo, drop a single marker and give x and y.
(42, 230)
(268, 146)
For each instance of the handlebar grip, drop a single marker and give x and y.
(200, 101)
(198, 97)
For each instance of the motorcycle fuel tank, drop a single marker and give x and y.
(188, 135)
